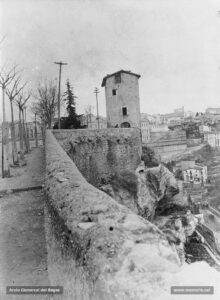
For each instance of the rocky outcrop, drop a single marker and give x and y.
(142, 190)
(149, 190)
(95, 245)
(99, 249)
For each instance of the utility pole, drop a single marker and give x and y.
(96, 91)
(60, 68)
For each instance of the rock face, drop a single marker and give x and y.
(98, 154)
(142, 190)
(150, 190)
(97, 248)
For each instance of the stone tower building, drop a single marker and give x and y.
(122, 99)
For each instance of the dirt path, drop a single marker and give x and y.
(32, 174)
(22, 236)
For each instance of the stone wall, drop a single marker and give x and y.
(97, 248)
(166, 153)
(98, 154)
(194, 142)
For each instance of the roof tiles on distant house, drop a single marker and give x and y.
(196, 167)
(118, 72)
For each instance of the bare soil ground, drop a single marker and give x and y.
(23, 255)
(29, 175)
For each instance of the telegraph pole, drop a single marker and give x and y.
(60, 68)
(96, 91)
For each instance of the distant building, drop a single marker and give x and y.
(90, 121)
(212, 138)
(122, 99)
(175, 117)
(194, 173)
(204, 128)
(188, 114)
(145, 129)
(151, 127)
(30, 126)
(159, 128)
(213, 111)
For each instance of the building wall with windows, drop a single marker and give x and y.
(212, 138)
(151, 129)
(204, 128)
(90, 121)
(196, 174)
(122, 99)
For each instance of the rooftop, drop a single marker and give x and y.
(118, 72)
(196, 167)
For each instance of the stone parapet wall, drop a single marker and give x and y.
(97, 248)
(99, 154)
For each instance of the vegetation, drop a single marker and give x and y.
(72, 119)
(46, 103)
(149, 158)
(127, 180)
(178, 174)
(170, 165)
(153, 183)
(21, 100)
(191, 129)
(10, 84)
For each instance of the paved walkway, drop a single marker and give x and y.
(22, 236)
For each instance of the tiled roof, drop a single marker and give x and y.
(118, 72)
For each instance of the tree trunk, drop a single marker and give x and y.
(28, 137)
(24, 132)
(43, 132)
(7, 172)
(21, 136)
(5, 153)
(13, 137)
(35, 132)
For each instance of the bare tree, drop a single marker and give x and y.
(46, 103)
(12, 93)
(21, 100)
(6, 78)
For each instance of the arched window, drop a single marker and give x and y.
(125, 125)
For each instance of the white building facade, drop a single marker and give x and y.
(195, 175)
(212, 138)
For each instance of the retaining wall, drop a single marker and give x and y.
(193, 142)
(98, 154)
(97, 248)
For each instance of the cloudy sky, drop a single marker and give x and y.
(174, 46)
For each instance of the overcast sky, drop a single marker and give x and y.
(174, 46)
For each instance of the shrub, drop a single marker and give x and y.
(148, 156)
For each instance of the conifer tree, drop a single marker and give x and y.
(72, 120)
